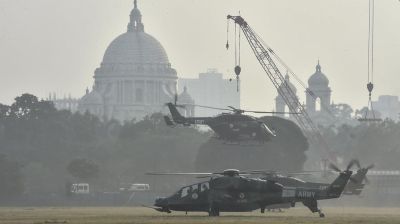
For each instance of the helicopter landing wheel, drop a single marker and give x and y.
(214, 211)
(321, 215)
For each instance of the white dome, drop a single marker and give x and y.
(135, 48)
(92, 98)
(287, 82)
(318, 78)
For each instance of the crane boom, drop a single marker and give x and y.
(263, 56)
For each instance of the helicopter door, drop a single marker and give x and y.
(204, 187)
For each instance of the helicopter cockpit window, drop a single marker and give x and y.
(184, 192)
(189, 190)
(204, 187)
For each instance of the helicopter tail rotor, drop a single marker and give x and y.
(363, 173)
(334, 167)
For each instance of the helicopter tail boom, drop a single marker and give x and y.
(176, 116)
(338, 185)
(179, 119)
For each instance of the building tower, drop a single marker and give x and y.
(318, 85)
(212, 90)
(135, 77)
(185, 99)
(280, 105)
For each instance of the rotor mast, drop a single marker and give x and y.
(263, 55)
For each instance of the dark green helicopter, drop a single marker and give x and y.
(233, 127)
(232, 191)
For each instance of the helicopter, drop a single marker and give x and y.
(232, 191)
(233, 127)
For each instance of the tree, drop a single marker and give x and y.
(27, 106)
(11, 180)
(342, 110)
(4, 111)
(24, 106)
(83, 168)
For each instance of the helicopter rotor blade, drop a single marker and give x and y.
(294, 173)
(299, 174)
(268, 112)
(231, 108)
(370, 166)
(352, 163)
(209, 107)
(334, 167)
(262, 171)
(366, 180)
(180, 105)
(207, 176)
(357, 162)
(177, 173)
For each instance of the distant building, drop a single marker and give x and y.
(135, 77)
(280, 104)
(318, 101)
(65, 103)
(388, 107)
(185, 98)
(318, 98)
(212, 90)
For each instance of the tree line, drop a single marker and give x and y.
(41, 148)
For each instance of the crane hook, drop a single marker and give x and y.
(238, 69)
(370, 87)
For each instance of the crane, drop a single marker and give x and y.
(263, 54)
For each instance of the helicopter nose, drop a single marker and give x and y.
(161, 202)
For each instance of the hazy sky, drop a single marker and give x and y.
(55, 46)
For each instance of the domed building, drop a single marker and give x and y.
(280, 104)
(318, 90)
(135, 77)
(185, 99)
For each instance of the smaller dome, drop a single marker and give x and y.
(92, 98)
(185, 98)
(318, 78)
(287, 82)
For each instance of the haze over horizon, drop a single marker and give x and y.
(55, 46)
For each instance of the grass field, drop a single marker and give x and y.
(102, 215)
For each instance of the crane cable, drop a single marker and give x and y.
(237, 56)
(237, 47)
(370, 73)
